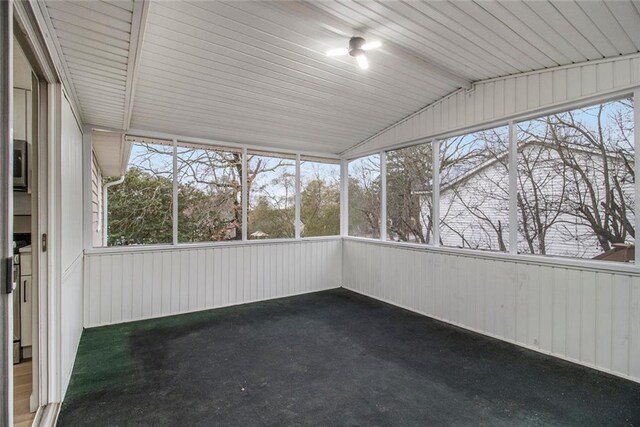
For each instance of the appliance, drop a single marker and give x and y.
(20, 165)
(357, 48)
(16, 310)
(20, 240)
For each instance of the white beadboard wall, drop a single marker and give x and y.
(506, 98)
(586, 316)
(69, 254)
(126, 286)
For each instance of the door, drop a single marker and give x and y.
(6, 213)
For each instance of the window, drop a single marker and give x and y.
(474, 190)
(409, 194)
(319, 197)
(364, 197)
(209, 193)
(271, 183)
(576, 183)
(140, 208)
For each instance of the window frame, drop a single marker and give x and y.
(511, 255)
(512, 121)
(140, 137)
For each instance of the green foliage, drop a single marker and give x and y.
(320, 210)
(274, 221)
(140, 210)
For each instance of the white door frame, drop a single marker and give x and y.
(46, 349)
(6, 212)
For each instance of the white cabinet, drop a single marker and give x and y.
(26, 299)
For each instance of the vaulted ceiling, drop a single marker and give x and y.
(256, 72)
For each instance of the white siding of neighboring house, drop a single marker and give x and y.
(487, 191)
(96, 202)
(494, 179)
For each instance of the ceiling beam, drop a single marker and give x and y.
(309, 11)
(138, 27)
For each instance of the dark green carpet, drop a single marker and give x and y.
(329, 358)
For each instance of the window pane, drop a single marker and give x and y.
(319, 198)
(271, 181)
(209, 194)
(140, 209)
(409, 194)
(576, 183)
(364, 197)
(474, 190)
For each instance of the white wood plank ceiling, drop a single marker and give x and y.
(256, 72)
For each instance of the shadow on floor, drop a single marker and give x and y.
(329, 358)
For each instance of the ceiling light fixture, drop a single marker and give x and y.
(357, 48)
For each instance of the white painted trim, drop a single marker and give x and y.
(87, 153)
(513, 188)
(174, 197)
(207, 141)
(571, 263)
(54, 251)
(6, 211)
(245, 195)
(636, 166)
(297, 220)
(435, 190)
(43, 258)
(136, 40)
(47, 416)
(105, 208)
(26, 16)
(344, 197)
(481, 332)
(383, 195)
(203, 245)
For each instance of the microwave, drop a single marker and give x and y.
(20, 165)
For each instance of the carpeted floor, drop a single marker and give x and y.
(329, 358)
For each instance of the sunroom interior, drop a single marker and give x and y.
(334, 213)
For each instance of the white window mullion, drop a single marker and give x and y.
(636, 166)
(245, 194)
(344, 197)
(383, 195)
(298, 199)
(435, 160)
(175, 192)
(513, 188)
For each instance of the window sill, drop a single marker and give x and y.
(203, 245)
(579, 264)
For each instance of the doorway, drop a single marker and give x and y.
(26, 102)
